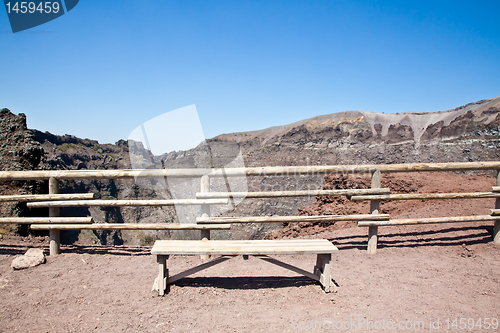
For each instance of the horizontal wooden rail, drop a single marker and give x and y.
(427, 196)
(318, 218)
(430, 220)
(38, 220)
(495, 212)
(274, 194)
(238, 172)
(495, 189)
(120, 203)
(45, 197)
(129, 226)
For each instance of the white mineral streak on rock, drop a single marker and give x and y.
(418, 121)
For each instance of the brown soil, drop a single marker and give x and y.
(419, 274)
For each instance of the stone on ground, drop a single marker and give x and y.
(32, 258)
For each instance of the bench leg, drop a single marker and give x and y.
(162, 274)
(319, 265)
(322, 270)
(372, 240)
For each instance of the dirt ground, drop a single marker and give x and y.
(421, 279)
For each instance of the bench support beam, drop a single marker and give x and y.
(289, 267)
(198, 268)
(321, 270)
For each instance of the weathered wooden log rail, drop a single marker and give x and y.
(429, 220)
(238, 172)
(48, 220)
(274, 219)
(205, 198)
(278, 194)
(129, 226)
(427, 196)
(125, 203)
(45, 197)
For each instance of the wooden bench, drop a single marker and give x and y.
(228, 249)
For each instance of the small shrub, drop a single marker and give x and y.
(148, 240)
(65, 146)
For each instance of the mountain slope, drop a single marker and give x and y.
(423, 125)
(467, 133)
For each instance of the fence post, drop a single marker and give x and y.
(374, 208)
(205, 209)
(496, 229)
(54, 235)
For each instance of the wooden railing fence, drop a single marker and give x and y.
(373, 219)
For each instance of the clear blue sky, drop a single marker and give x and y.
(107, 66)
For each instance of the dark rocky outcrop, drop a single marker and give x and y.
(19, 151)
(18, 146)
